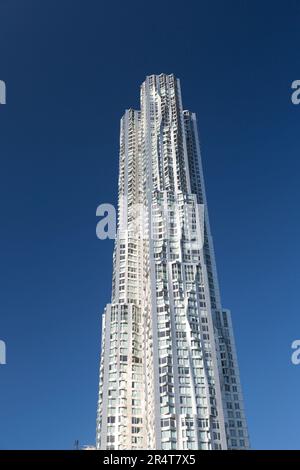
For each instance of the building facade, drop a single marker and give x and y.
(169, 376)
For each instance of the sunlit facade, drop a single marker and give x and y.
(169, 376)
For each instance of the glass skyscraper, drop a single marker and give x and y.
(169, 376)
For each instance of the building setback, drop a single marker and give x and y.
(169, 376)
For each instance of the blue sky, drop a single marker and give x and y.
(71, 68)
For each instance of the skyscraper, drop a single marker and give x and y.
(169, 376)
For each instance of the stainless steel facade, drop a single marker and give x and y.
(169, 376)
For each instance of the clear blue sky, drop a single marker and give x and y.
(71, 68)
